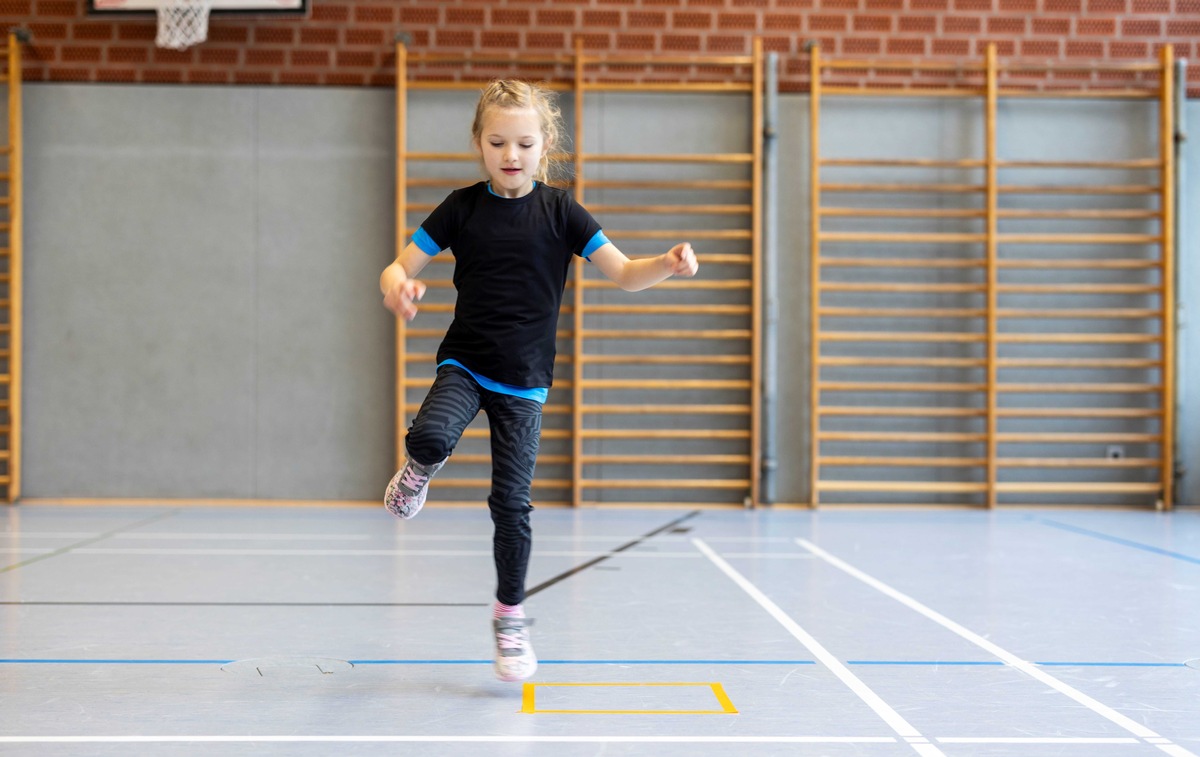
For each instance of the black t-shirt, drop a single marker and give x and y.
(511, 262)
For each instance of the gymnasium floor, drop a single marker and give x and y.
(314, 631)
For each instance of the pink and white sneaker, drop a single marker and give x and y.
(406, 492)
(515, 660)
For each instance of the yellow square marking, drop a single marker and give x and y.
(529, 705)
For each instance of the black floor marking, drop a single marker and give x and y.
(597, 560)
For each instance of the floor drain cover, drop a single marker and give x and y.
(287, 666)
(1194, 664)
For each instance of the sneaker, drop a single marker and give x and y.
(405, 495)
(515, 660)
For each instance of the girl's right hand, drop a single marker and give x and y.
(402, 299)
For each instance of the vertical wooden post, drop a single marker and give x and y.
(756, 285)
(577, 310)
(1166, 141)
(14, 267)
(401, 238)
(991, 252)
(814, 167)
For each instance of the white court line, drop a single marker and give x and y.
(1028, 668)
(1066, 740)
(897, 722)
(450, 739)
(234, 552)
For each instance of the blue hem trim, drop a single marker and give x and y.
(597, 241)
(537, 394)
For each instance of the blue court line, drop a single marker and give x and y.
(1119, 540)
(912, 663)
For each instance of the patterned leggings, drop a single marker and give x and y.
(516, 424)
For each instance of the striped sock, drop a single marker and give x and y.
(508, 611)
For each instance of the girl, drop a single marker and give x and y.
(513, 238)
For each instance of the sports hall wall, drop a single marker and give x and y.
(202, 317)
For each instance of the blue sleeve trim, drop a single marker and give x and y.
(422, 239)
(597, 241)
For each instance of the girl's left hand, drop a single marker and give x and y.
(681, 260)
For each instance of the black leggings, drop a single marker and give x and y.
(516, 424)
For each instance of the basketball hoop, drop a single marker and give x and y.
(182, 23)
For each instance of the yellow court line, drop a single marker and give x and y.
(529, 705)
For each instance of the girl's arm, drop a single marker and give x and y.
(635, 275)
(400, 290)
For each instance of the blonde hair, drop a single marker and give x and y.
(519, 95)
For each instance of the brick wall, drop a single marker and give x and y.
(350, 42)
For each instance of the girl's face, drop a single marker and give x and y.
(512, 147)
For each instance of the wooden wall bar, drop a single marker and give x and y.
(1029, 366)
(10, 279)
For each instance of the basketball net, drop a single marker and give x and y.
(182, 23)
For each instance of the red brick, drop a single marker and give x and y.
(368, 37)
(255, 77)
(40, 51)
(737, 21)
(905, 46)
(1141, 28)
(973, 5)
(466, 16)
(734, 44)
(681, 43)
(1004, 47)
(1128, 50)
(61, 8)
(783, 22)
(167, 56)
(691, 20)
(127, 54)
(872, 23)
(861, 46)
(1006, 25)
(556, 17)
(228, 34)
(455, 38)
(1187, 6)
(329, 11)
(1062, 6)
(1040, 48)
(929, 5)
(139, 32)
(1085, 49)
(505, 39)
(320, 35)
(355, 59)
(16, 7)
(546, 40)
(420, 38)
(1019, 6)
(927, 24)
(1059, 27)
(220, 56)
(1183, 28)
(1152, 6)
(48, 32)
(418, 15)
(257, 57)
(116, 75)
(647, 20)
(274, 35)
(298, 78)
(375, 14)
(844, 5)
(511, 16)
(345, 80)
(163, 76)
(781, 45)
(593, 19)
(751, 3)
(959, 48)
(207, 76)
(826, 23)
(592, 40)
(92, 32)
(1107, 6)
(884, 5)
(57, 73)
(637, 42)
(307, 58)
(962, 24)
(1096, 27)
(382, 79)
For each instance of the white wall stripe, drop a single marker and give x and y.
(881, 708)
(1028, 668)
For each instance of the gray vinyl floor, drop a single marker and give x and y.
(328, 631)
